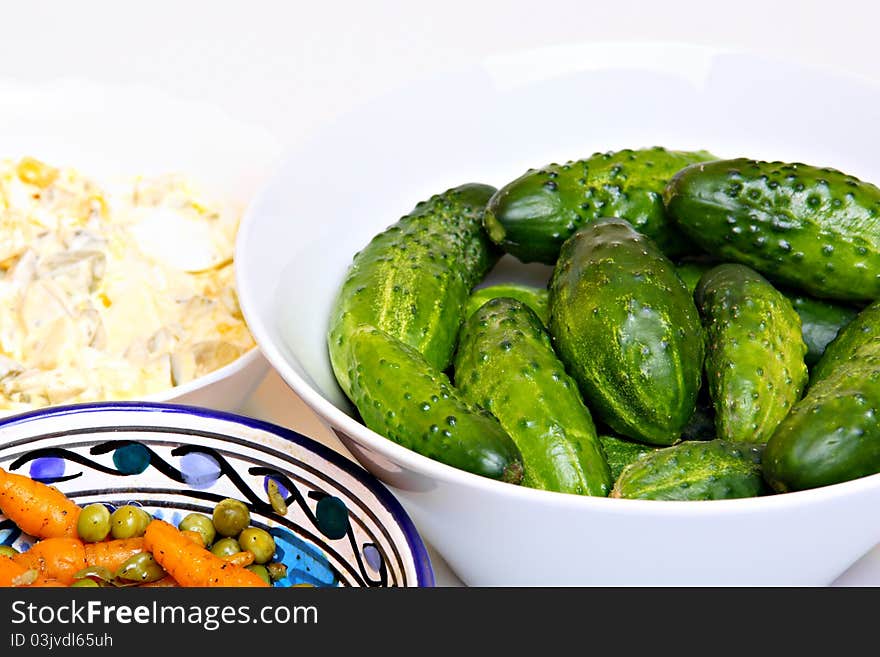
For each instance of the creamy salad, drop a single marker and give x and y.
(110, 292)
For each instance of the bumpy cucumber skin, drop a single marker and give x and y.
(833, 434)
(861, 330)
(620, 452)
(821, 322)
(628, 331)
(816, 230)
(754, 352)
(535, 298)
(505, 364)
(713, 470)
(533, 215)
(413, 280)
(401, 396)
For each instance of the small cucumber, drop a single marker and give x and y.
(861, 330)
(833, 434)
(401, 396)
(533, 215)
(628, 331)
(816, 230)
(536, 298)
(506, 365)
(620, 452)
(713, 470)
(413, 280)
(754, 354)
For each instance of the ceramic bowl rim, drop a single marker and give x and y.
(420, 556)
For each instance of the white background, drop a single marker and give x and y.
(292, 66)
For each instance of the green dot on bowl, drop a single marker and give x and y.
(332, 517)
(131, 459)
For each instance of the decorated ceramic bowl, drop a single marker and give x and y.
(342, 528)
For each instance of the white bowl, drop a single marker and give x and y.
(108, 131)
(488, 123)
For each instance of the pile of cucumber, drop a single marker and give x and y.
(705, 333)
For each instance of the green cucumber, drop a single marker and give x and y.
(754, 353)
(628, 331)
(713, 470)
(833, 434)
(620, 452)
(821, 322)
(536, 298)
(404, 398)
(506, 365)
(533, 215)
(413, 280)
(861, 330)
(816, 230)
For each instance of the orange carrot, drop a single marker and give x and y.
(240, 558)
(190, 564)
(9, 570)
(112, 554)
(55, 558)
(37, 509)
(195, 537)
(165, 582)
(62, 558)
(47, 583)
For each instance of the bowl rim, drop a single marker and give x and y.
(250, 357)
(340, 421)
(418, 550)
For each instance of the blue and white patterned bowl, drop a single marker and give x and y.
(343, 528)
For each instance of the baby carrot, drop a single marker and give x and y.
(54, 558)
(240, 558)
(112, 554)
(190, 564)
(194, 536)
(62, 558)
(9, 570)
(37, 509)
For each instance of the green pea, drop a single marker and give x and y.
(8, 551)
(258, 541)
(230, 517)
(94, 523)
(196, 522)
(129, 522)
(225, 547)
(142, 567)
(261, 571)
(85, 583)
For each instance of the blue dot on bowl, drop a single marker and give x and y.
(47, 467)
(372, 556)
(199, 470)
(332, 517)
(131, 459)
